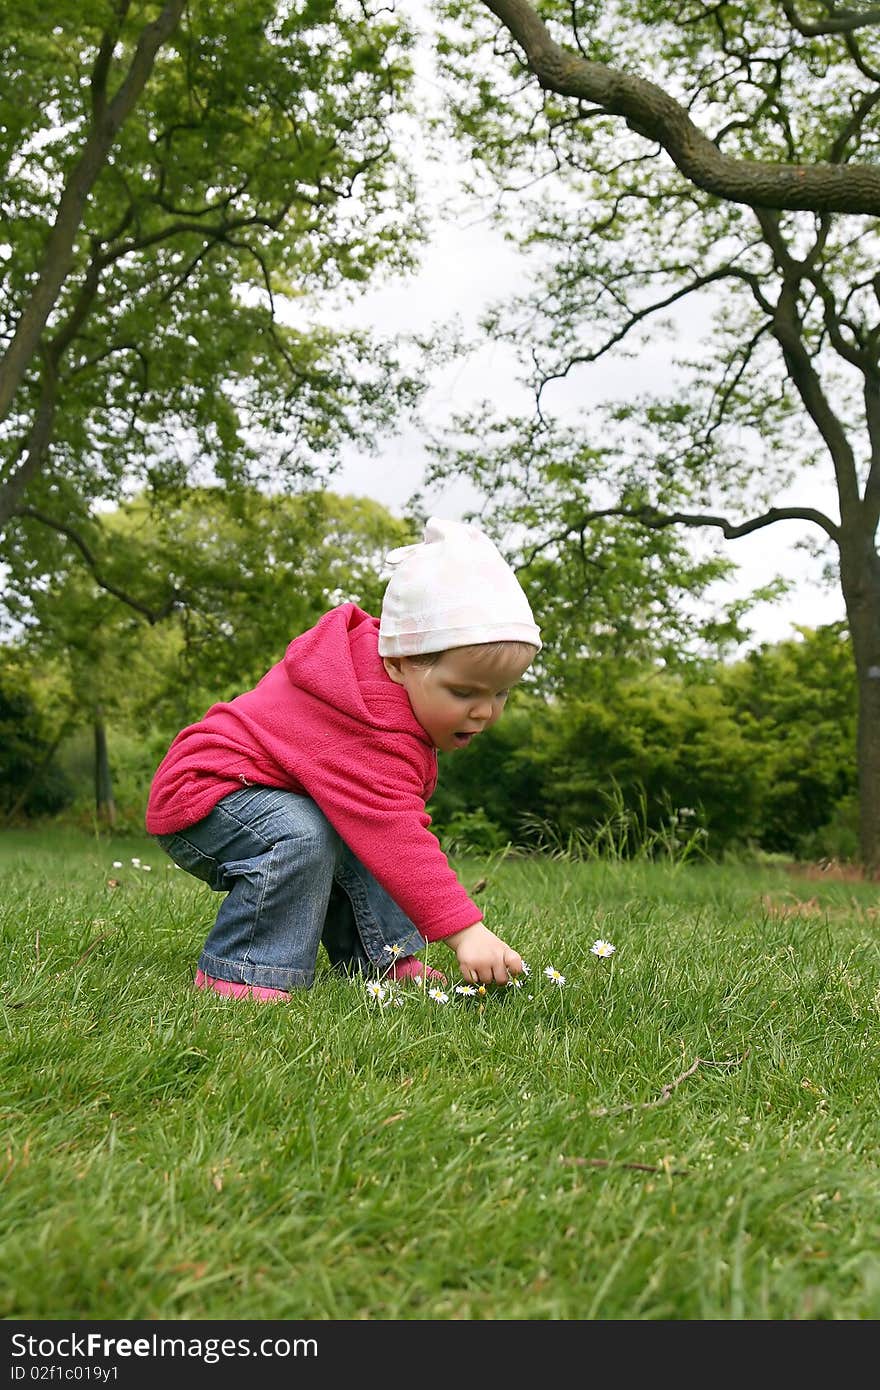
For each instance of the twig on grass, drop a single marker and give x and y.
(670, 1086)
(616, 1163)
(87, 952)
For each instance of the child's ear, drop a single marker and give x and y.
(394, 666)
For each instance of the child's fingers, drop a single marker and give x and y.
(509, 964)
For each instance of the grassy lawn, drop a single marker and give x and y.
(685, 1130)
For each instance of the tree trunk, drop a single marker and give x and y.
(860, 581)
(104, 803)
(110, 116)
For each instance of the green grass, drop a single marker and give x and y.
(166, 1155)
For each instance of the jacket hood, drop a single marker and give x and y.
(337, 662)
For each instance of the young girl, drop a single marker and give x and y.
(303, 800)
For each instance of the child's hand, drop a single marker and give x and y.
(482, 956)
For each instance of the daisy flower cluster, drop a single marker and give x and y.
(387, 991)
(135, 864)
(383, 992)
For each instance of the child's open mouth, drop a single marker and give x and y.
(462, 740)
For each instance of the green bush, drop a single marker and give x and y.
(31, 782)
(838, 839)
(470, 832)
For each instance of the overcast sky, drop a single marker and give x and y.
(466, 266)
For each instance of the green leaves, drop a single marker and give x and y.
(253, 183)
(229, 577)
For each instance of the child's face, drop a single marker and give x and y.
(463, 692)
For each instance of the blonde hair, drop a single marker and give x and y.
(488, 649)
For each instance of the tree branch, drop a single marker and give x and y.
(26, 469)
(731, 379)
(655, 115)
(153, 615)
(101, 65)
(650, 516)
(109, 119)
(659, 520)
(872, 483)
(843, 22)
(638, 315)
(787, 330)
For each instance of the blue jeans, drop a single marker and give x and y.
(291, 883)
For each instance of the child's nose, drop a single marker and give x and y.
(482, 709)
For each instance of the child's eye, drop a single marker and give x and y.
(462, 694)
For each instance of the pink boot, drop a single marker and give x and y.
(241, 991)
(411, 968)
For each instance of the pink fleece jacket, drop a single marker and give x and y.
(328, 722)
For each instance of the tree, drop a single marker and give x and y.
(655, 155)
(251, 571)
(184, 187)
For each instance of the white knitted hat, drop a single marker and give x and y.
(452, 589)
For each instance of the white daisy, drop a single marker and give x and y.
(553, 974)
(394, 950)
(438, 995)
(602, 948)
(465, 989)
(376, 989)
(117, 863)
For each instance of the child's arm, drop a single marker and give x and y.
(483, 956)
